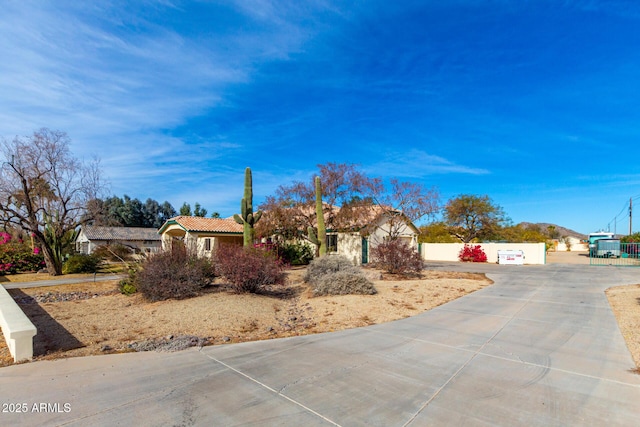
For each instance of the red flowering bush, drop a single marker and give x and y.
(472, 253)
(4, 238)
(17, 257)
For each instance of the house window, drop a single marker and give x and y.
(332, 243)
(207, 244)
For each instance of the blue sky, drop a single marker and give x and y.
(534, 103)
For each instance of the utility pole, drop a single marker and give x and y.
(630, 214)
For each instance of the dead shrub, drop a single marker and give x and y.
(396, 257)
(176, 274)
(248, 269)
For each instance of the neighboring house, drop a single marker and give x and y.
(381, 225)
(205, 234)
(137, 238)
(570, 243)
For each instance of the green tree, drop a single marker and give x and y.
(473, 217)
(132, 212)
(156, 214)
(45, 190)
(185, 209)
(127, 212)
(199, 211)
(436, 232)
(631, 238)
(521, 234)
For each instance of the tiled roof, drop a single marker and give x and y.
(214, 225)
(120, 233)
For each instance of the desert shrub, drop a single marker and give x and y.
(295, 253)
(127, 288)
(343, 283)
(81, 263)
(335, 275)
(176, 273)
(248, 269)
(325, 265)
(128, 285)
(115, 252)
(397, 257)
(472, 253)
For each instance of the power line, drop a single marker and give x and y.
(627, 206)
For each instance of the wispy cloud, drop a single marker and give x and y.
(177, 97)
(419, 164)
(118, 82)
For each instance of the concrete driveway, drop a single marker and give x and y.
(539, 348)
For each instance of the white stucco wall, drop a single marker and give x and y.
(350, 245)
(575, 244)
(404, 232)
(534, 253)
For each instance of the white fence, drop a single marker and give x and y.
(534, 253)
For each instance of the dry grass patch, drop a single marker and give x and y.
(107, 322)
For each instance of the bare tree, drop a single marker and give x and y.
(291, 211)
(352, 200)
(44, 190)
(402, 203)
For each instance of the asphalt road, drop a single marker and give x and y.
(540, 347)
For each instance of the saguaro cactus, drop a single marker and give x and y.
(247, 218)
(321, 239)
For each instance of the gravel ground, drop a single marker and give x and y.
(89, 319)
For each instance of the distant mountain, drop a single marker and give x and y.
(562, 231)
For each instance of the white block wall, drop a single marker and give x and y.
(534, 253)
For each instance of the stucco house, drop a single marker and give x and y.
(205, 234)
(355, 242)
(381, 224)
(357, 232)
(139, 239)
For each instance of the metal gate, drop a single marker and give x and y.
(618, 254)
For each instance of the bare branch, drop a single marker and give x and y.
(44, 187)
